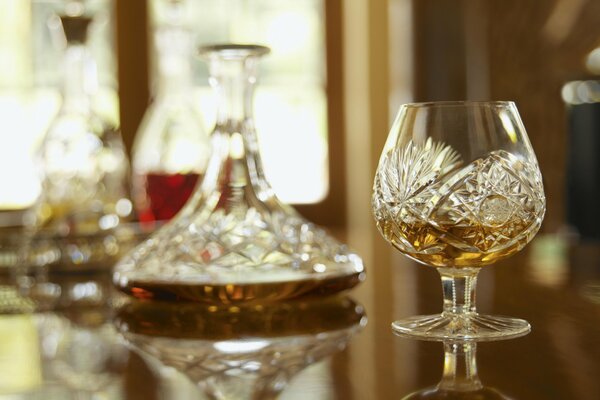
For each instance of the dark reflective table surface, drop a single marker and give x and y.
(93, 343)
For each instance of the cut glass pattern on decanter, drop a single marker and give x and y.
(239, 247)
(234, 240)
(491, 204)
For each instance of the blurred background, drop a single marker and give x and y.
(337, 74)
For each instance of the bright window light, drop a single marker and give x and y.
(291, 103)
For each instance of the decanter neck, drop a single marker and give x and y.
(174, 49)
(76, 79)
(460, 367)
(235, 170)
(233, 81)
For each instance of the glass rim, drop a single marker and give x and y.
(455, 103)
(233, 50)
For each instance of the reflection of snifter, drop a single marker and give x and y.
(459, 379)
(240, 352)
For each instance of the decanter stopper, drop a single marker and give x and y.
(75, 28)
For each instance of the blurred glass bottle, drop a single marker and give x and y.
(82, 159)
(171, 149)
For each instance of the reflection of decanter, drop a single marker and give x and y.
(83, 163)
(247, 352)
(234, 240)
(171, 148)
(459, 380)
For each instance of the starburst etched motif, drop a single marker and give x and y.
(406, 179)
(443, 213)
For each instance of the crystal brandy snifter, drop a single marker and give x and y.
(458, 187)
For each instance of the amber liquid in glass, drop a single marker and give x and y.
(474, 216)
(449, 254)
(165, 194)
(233, 293)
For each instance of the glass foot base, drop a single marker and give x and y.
(471, 326)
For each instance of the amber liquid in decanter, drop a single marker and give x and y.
(234, 293)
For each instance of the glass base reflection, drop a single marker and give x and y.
(460, 379)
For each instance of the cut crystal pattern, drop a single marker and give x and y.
(243, 246)
(427, 202)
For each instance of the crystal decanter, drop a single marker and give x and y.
(171, 149)
(83, 165)
(234, 240)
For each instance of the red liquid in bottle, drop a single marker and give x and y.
(166, 194)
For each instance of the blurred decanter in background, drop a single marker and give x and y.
(83, 164)
(172, 147)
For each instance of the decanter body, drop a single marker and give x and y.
(83, 165)
(234, 240)
(171, 148)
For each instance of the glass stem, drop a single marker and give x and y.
(458, 287)
(460, 367)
